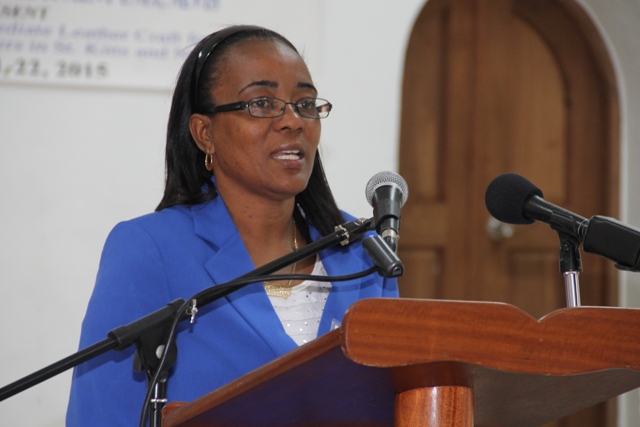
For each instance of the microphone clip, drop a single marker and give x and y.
(357, 226)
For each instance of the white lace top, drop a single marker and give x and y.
(301, 312)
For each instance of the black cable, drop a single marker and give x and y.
(238, 283)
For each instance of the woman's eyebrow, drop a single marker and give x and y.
(267, 83)
(307, 86)
(272, 84)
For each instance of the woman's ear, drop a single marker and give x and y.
(199, 125)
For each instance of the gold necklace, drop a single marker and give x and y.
(274, 289)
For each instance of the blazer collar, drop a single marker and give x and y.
(213, 223)
(231, 260)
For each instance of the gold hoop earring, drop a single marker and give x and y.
(208, 161)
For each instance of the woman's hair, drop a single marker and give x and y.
(187, 180)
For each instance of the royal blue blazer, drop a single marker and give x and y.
(175, 253)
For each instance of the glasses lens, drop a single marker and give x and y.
(307, 108)
(266, 107)
(323, 108)
(311, 108)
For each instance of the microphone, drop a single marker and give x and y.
(513, 199)
(387, 192)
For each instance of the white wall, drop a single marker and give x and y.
(618, 21)
(74, 161)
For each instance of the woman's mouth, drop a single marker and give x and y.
(288, 155)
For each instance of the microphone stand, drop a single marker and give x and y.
(569, 232)
(148, 332)
(570, 267)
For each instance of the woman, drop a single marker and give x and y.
(244, 186)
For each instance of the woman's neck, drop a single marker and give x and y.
(265, 225)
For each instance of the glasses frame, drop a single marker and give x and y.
(244, 105)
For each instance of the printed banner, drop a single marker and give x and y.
(120, 43)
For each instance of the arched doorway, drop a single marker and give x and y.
(495, 86)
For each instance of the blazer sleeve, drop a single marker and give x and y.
(131, 283)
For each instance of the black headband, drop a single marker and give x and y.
(208, 45)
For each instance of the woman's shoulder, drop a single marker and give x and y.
(151, 224)
(172, 215)
(168, 220)
(177, 226)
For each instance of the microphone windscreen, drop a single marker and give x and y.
(382, 179)
(506, 195)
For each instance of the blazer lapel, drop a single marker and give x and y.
(231, 260)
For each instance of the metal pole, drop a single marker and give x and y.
(572, 288)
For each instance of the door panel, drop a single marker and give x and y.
(496, 86)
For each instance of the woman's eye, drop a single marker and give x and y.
(307, 104)
(263, 103)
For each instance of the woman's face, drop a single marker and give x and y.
(267, 157)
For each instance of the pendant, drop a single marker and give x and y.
(274, 289)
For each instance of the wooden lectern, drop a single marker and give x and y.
(404, 362)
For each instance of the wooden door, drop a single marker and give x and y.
(496, 86)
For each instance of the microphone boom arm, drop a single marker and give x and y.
(123, 336)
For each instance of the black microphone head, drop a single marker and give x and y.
(382, 179)
(506, 195)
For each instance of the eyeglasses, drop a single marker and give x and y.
(268, 107)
